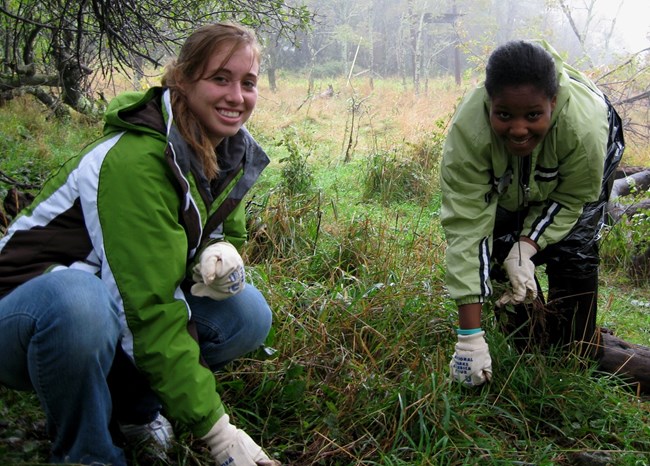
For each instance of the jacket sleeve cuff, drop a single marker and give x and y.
(470, 300)
(202, 428)
(541, 243)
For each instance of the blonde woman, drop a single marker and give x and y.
(121, 287)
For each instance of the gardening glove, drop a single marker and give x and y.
(521, 272)
(471, 363)
(219, 273)
(234, 447)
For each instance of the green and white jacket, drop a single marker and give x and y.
(477, 174)
(135, 208)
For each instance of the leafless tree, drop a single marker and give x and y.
(61, 44)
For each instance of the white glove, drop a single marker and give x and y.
(220, 272)
(234, 447)
(471, 363)
(521, 272)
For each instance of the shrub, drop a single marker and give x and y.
(297, 175)
(409, 176)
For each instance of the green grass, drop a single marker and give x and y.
(32, 144)
(364, 330)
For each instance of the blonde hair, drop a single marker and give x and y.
(189, 67)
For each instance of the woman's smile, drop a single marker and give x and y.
(521, 116)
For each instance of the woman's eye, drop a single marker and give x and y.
(249, 84)
(534, 115)
(503, 115)
(219, 79)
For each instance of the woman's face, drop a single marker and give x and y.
(225, 96)
(521, 116)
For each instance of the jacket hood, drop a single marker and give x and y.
(567, 76)
(137, 112)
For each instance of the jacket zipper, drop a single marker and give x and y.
(524, 178)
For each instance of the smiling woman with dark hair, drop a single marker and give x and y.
(527, 170)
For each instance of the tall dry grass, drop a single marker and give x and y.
(388, 113)
(384, 114)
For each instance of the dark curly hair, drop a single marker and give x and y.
(517, 63)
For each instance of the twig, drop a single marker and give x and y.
(9, 180)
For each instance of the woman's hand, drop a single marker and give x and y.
(234, 447)
(220, 272)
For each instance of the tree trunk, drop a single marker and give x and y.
(273, 84)
(60, 111)
(271, 65)
(417, 55)
(371, 46)
(638, 179)
(401, 58)
(71, 71)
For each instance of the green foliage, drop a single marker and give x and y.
(408, 173)
(31, 149)
(297, 175)
(635, 230)
(24, 440)
(627, 239)
(328, 69)
(363, 332)
(280, 227)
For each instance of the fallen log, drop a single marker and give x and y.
(629, 361)
(623, 186)
(616, 210)
(627, 170)
(639, 181)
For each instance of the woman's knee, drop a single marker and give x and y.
(78, 306)
(259, 317)
(232, 328)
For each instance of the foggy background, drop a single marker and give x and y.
(417, 39)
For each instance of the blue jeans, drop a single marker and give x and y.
(226, 330)
(58, 336)
(231, 328)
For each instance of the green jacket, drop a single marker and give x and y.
(135, 208)
(477, 174)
